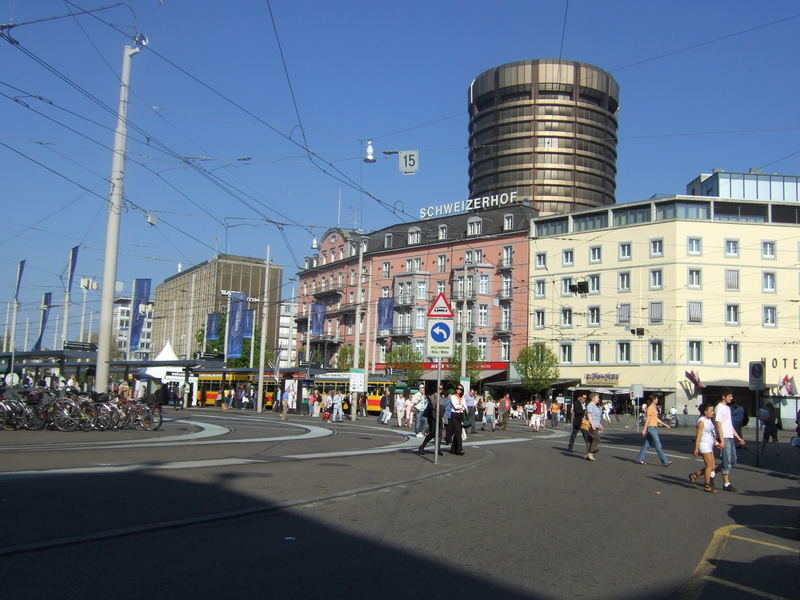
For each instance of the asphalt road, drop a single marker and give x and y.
(218, 505)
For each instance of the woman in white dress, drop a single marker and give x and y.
(704, 444)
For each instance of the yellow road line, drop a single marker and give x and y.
(744, 588)
(746, 539)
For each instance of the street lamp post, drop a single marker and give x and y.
(358, 319)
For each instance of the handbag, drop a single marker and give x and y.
(468, 422)
(326, 415)
(585, 424)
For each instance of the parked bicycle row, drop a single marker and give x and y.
(40, 409)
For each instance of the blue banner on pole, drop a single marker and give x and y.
(236, 324)
(141, 296)
(385, 313)
(20, 269)
(317, 318)
(47, 299)
(249, 322)
(73, 262)
(212, 327)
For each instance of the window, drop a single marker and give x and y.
(694, 246)
(594, 283)
(483, 315)
(656, 351)
(594, 316)
(731, 314)
(565, 351)
(541, 260)
(387, 240)
(385, 291)
(421, 319)
(770, 316)
(594, 352)
(539, 318)
(695, 312)
(506, 291)
(409, 265)
(695, 278)
(482, 347)
(508, 256)
(595, 254)
(483, 284)
(624, 281)
(731, 280)
(442, 232)
(468, 257)
(695, 351)
(414, 235)
(419, 346)
(623, 352)
(539, 288)
(656, 279)
(657, 247)
(625, 251)
(568, 258)
(624, 314)
(656, 313)
(566, 317)
(417, 264)
(505, 349)
(732, 248)
(386, 270)
(508, 222)
(422, 290)
(441, 263)
(768, 250)
(566, 282)
(768, 282)
(474, 226)
(731, 353)
(440, 287)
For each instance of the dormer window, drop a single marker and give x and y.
(387, 240)
(414, 235)
(474, 226)
(442, 232)
(508, 222)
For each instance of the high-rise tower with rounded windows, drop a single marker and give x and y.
(546, 129)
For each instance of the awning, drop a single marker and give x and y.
(431, 375)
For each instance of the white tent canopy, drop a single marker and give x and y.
(167, 354)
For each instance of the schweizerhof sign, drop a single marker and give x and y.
(441, 210)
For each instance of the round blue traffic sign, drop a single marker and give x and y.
(440, 332)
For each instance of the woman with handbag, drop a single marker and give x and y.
(458, 406)
(594, 414)
(704, 444)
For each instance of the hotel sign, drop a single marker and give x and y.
(603, 379)
(473, 204)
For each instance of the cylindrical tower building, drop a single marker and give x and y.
(547, 129)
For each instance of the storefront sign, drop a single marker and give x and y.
(229, 292)
(602, 379)
(484, 202)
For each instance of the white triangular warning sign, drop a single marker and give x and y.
(441, 308)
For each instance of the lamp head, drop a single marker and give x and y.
(370, 157)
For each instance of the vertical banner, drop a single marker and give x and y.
(141, 296)
(20, 269)
(47, 299)
(212, 327)
(317, 318)
(236, 320)
(73, 262)
(249, 321)
(385, 312)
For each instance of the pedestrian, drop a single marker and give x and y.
(336, 404)
(595, 416)
(738, 418)
(419, 403)
(704, 444)
(578, 412)
(429, 412)
(607, 411)
(410, 422)
(470, 397)
(685, 409)
(386, 407)
(505, 410)
(537, 420)
(458, 407)
(770, 428)
(555, 409)
(650, 433)
(400, 408)
(488, 414)
(727, 436)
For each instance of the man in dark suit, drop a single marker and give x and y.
(578, 410)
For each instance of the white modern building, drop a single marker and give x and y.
(122, 327)
(287, 334)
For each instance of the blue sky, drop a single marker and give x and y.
(703, 85)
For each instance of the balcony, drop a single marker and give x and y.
(505, 264)
(403, 330)
(458, 327)
(463, 296)
(336, 288)
(505, 294)
(503, 328)
(405, 300)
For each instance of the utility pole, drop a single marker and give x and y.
(358, 320)
(263, 342)
(112, 227)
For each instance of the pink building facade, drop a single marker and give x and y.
(478, 260)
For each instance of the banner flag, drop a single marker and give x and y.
(317, 318)
(73, 262)
(47, 299)
(20, 269)
(249, 320)
(236, 324)
(141, 296)
(212, 327)
(385, 312)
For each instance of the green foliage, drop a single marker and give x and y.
(405, 357)
(243, 362)
(537, 366)
(474, 359)
(344, 358)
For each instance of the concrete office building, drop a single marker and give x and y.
(183, 301)
(643, 293)
(122, 327)
(287, 333)
(547, 129)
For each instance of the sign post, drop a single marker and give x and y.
(440, 345)
(756, 380)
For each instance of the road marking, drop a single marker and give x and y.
(751, 540)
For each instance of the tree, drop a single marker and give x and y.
(405, 357)
(537, 366)
(344, 358)
(218, 347)
(474, 359)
